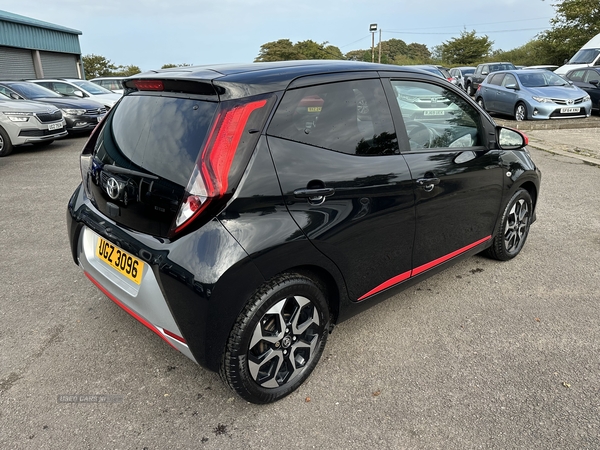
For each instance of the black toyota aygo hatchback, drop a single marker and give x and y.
(241, 211)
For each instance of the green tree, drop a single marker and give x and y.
(393, 47)
(97, 66)
(126, 71)
(285, 50)
(281, 50)
(533, 52)
(576, 22)
(466, 49)
(419, 52)
(170, 66)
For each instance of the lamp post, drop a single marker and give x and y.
(373, 29)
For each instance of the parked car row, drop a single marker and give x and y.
(529, 93)
(39, 111)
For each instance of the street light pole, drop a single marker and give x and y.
(379, 61)
(373, 29)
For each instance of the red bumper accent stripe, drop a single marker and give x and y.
(411, 273)
(130, 311)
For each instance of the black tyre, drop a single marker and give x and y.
(6, 146)
(520, 112)
(277, 340)
(515, 223)
(481, 103)
(469, 90)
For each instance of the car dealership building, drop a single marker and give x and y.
(30, 48)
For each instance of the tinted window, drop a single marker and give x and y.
(576, 75)
(496, 79)
(592, 75)
(436, 117)
(350, 117)
(160, 134)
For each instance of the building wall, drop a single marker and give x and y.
(30, 48)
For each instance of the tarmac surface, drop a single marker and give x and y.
(576, 138)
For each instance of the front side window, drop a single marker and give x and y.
(350, 117)
(436, 117)
(509, 80)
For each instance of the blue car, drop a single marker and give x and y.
(529, 94)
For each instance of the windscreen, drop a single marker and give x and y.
(585, 56)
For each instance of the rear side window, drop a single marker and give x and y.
(351, 117)
(162, 135)
(577, 75)
(496, 79)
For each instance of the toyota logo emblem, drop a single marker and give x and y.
(570, 102)
(112, 188)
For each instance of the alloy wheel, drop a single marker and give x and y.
(517, 226)
(284, 341)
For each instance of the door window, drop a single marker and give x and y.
(496, 79)
(592, 75)
(350, 117)
(436, 117)
(509, 80)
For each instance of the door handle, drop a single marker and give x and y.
(315, 196)
(428, 183)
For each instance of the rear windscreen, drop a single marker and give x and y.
(162, 135)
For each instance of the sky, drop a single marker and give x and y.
(150, 33)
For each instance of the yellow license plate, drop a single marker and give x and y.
(314, 109)
(120, 260)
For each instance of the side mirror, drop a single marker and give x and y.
(594, 82)
(14, 96)
(513, 86)
(509, 139)
(484, 72)
(78, 93)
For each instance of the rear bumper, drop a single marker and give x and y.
(192, 289)
(145, 302)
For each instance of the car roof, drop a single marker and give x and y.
(270, 76)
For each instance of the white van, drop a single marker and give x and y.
(588, 56)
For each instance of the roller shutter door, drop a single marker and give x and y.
(62, 65)
(16, 64)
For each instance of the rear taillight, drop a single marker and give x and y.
(210, 178)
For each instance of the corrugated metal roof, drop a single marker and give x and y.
(23, 32)
(10, 17)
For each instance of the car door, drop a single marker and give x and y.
(507, 95)
(344, 180)
(456, 172)
(490, 91)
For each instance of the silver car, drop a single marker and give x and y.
(71, 87)
(529, 94)
(24, 122)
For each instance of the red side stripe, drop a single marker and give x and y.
(389, 283)
(436, 262)
(131, 312)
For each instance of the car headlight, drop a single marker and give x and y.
(586, 98)
(74, 112)
(542, 99)
(18, 116)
